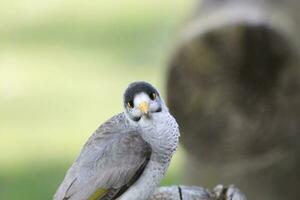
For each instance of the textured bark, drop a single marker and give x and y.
(182, 192)
(234, 88)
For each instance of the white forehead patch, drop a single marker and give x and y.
(139, 98)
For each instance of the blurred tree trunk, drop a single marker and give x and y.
(234, 87)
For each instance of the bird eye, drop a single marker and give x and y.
(130, 104)
(152, 96)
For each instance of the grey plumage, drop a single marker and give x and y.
(128, 155)
(110, 159)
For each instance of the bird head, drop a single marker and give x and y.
(141, 101)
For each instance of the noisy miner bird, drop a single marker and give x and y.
(128, 155)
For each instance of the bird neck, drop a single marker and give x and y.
(161, 132)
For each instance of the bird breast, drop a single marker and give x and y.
(162, 134)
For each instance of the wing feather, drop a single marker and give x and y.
(111, 160)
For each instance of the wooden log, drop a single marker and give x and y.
(234, 88)
(182, 192)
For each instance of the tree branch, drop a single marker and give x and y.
(181, 192)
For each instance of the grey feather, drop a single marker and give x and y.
(113, 158)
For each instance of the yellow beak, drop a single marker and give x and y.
(144, 107)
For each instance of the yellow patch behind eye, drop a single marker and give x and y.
(99, 193)
(153, 96)
(130, 104)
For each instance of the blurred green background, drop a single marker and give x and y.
(63, 68)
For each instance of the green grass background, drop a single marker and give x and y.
(63, 68)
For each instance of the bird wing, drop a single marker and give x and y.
(111, 160)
